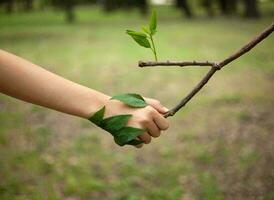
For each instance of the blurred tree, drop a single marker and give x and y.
(28, 5)
(108, 5)
(251, 9)
(228, 7)
(8, 4)
(208, 5)
(111, 5)
(184, 6)
(143, 6)
(68, 6)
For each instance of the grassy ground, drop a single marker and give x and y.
(219, 147)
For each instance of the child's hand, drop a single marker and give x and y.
(149, 118)
(26, 81)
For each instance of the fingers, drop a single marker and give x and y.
(146, 138)
(150, 120)
(139, 146)
(153, 124)
(160, 121)
(153, 129)
(156, 105)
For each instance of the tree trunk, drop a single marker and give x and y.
(223, 6)
(228, 7)
(143, 5)
(69, 8)
(28, 5)
(183, 4)
(208, 5)
(108, 5)
(251, 9)
(233, 6)
(9, 6)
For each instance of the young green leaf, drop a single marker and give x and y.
(114, 123)
(145, 29)
(135, 33)
(127, 134)
(98, 116)
(153, 23)
(133, 100)
(140, 38)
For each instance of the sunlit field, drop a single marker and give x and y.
(220, 146)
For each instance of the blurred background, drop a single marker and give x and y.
(220, 146)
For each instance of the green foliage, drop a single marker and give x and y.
(210, 189)
(153, 23)
(117, 125)
(98, 116)
(142, 37)
(133, 100)
(127, 135)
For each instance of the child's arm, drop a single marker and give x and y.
(26, 81)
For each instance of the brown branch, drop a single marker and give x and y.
(214, 67)
(176, 63)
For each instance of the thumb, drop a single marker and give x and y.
(156, 105)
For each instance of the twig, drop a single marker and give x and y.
(175, 63)
(214, 67)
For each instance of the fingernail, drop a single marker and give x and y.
(165, 109)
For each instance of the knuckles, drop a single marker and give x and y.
(156, 135)
(145, 138)
(145, 120)
(151, 111)
(166, 126)
(156, 102)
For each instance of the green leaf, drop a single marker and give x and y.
(142, 41)
(135, 142)
(115, 123)
(140, 38)
(133, 100)
(98, 116)
(145, 29)
(127, 134)
(153, 23)
(135, 33)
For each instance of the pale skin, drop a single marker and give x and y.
(26, 81)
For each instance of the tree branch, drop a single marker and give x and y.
(214, 67)
(176, 63)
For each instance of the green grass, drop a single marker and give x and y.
(218, 147)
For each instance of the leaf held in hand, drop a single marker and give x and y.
(133, 100)
(115, 123)
(153, 23)
(127, 134)
(140, 38)
(98, 116)
(135, 142)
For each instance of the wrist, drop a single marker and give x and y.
(94, 102)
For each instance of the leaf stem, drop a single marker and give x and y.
(153, 48)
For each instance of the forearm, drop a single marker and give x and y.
(29, 82)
